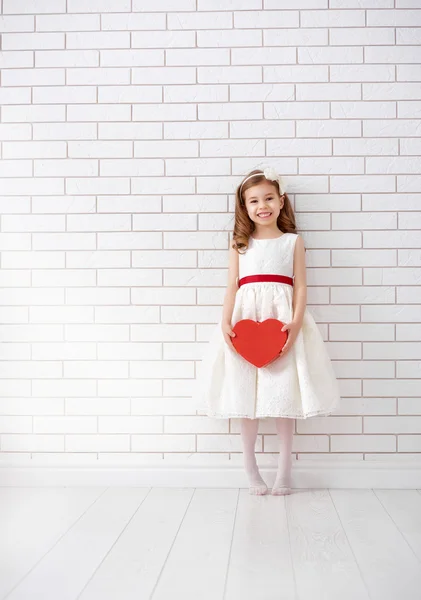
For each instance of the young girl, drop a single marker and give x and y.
(300, 382)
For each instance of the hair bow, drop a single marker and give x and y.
(272, 175)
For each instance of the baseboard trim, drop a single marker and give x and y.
(305, 474)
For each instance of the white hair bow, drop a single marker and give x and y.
(272, 175)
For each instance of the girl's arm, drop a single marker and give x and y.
(299, 299)
(232, 285)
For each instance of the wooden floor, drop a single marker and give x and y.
(63, 543)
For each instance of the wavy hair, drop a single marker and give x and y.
(244, 226)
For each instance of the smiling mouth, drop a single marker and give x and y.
(264, 215)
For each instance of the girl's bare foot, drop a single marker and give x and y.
(257, 486)
(281, 487)
(281, 491)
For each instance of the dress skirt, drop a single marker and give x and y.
(299, 385)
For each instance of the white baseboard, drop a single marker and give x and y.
(305, 475)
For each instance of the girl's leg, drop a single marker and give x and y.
(285, 431)
(249, 428)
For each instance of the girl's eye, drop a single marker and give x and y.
(256, 200)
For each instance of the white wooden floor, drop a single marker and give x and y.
(63, 543)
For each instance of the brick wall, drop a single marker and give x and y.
(123, 134)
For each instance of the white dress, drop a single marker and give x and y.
(300, 384)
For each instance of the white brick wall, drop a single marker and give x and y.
(123, 134)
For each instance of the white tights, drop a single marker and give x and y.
(284, 429)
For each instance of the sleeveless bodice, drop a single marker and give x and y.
(273, 256)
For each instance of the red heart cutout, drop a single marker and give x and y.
(259, 342)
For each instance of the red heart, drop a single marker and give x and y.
(259, 342)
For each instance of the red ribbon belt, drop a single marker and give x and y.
(278, 278)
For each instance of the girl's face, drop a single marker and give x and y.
(260, 200)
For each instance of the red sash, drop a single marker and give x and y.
(278, 278)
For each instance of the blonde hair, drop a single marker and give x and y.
(244, 226)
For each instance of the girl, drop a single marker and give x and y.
(300, 382)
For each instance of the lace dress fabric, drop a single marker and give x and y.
(301, 384)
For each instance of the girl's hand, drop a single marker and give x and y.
(228, 333)
(293, 329)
